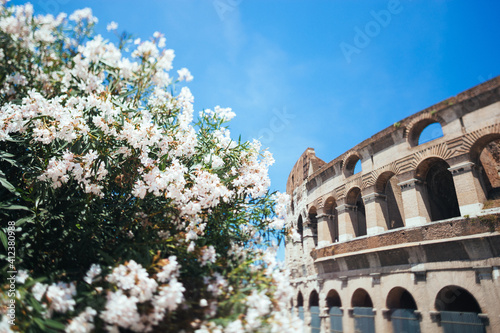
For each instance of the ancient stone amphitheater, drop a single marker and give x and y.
(411, 242)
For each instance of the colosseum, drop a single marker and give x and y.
(411, 242)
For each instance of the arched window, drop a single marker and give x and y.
(334, 310)
(425, 130)
(361, 298)
(387, 184)
(300, 305)
(364, 318)
(300, 228)
(352, 165)
(454, 298)
(358, 215)
(459, 310)
(314, 310)
(313, 224)
(357, 167)
(430, 132)
(485, 153)
(402, 306)
(333, 222)
(440, 195)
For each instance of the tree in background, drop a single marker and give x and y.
(119, 210)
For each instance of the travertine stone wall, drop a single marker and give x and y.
(404, 221)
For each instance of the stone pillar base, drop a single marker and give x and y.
(415, 221)
(471, 210)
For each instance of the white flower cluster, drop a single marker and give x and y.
(208, 255)
(83, 323)
(136, 287)
(59, 296)
(93, 271)
(132, 123)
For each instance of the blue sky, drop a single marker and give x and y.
(284, 69)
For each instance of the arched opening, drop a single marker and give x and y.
(430, 132)
(300, 228)
(458, 310)
(440, 195)
(333, 299)
(352, 165)
(300, 299)
(313, 224)
(454, 298)
(314, 310)
(364, 318)
(334, 310)
(300, 305)
(313, 299)
(361, 298)
(357, 167)
(387, 184)
(400, 298)
(333, 222)
(485, 154)
(425, 130)
(402, 306)
(357, 215)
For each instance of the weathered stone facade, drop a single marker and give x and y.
(408, 235)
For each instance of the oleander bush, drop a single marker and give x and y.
(121, 209)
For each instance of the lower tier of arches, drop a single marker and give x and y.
(464, 299)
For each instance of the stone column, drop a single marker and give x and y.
(308, 245)
(345, 218)
(325, 319)
(323, 308)
(308, 241)
(376, 213)
(470, 193)
(324, 232)
(413, 192)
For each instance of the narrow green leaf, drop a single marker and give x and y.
(7, 185)
(3, 238)
(54, 324)
(39, 323)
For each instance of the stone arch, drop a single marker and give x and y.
(357, 211)
(333, 222)
(300, 305)
(313, 298)
(333, 299)
(313, 223)
(402, 307)
(362, 311)
(387, 185)
(334, 304)
(400, 298)
(485, 154)
(300, 299)
(439, 196)
(417, 125)
(455, 298)
(430, 133)
(349, 162)
(361, 298)
(300, 228)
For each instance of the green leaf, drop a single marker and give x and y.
(3, 238)
(35, 304)
(28, 219)
(39, 323)
(14, 207)
(54, 324)
(6, 184)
